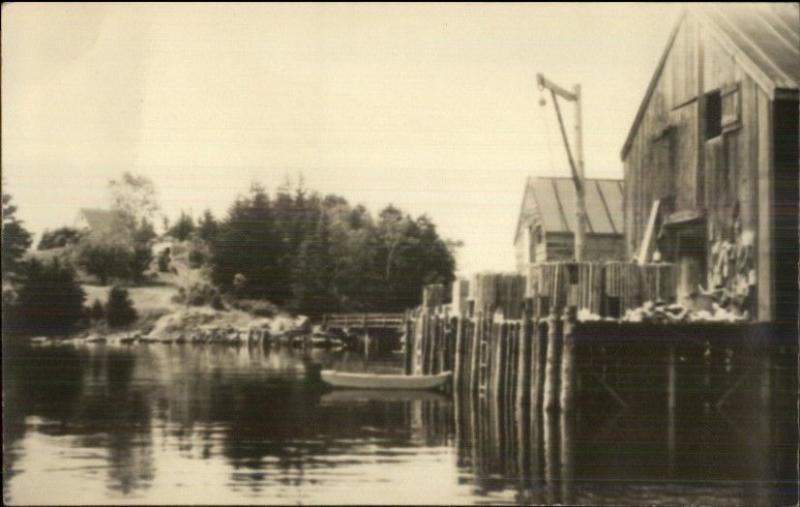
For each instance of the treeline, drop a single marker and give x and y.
(45, 297)
(315, 254)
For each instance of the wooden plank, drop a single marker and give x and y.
(766, 183)
(648, 243)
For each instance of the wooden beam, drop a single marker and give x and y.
(766, 191)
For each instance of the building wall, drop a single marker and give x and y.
(671, 159)
(606, 247)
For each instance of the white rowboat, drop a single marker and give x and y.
(349, 380)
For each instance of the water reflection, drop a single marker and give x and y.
(220, 424)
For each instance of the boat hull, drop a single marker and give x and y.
(346, 380)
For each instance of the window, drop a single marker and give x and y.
(730, 107)
(713, 114)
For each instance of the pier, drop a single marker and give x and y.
(529, 348)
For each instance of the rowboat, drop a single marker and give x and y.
(382, 395)
(347, 380)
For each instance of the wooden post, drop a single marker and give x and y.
(671, 404)
(458, 366)
(567, 430)
(524, 365)
(498, 361)
(567, 400)
(538, 361)
(511, 368)
(551, 446)
(467, 357)
(477, 336)
(553, 364)
(409, 346)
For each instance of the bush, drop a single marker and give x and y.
(119, 310)
(58, 238)
(198, 254)
(258, 307)
(104, 260)
(97, 311)
(198, 294)
(140, 260)
(50, 300)
(164, 260)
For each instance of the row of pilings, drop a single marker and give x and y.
(527, 361)
(556, 362)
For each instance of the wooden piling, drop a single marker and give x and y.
(553, 364)
(458, 360)
(477, 337)
(538, 362)
(524, 373)
(511, 376)
(409, 346)
(568, 371)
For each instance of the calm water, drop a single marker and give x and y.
(218, 424)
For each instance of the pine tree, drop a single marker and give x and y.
(16, 239)
(50, 301)
(119, 309)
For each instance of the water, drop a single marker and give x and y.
(202, 424)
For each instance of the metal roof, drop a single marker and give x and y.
(553, 201)
(764, 38)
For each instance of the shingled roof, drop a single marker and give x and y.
(764, 39)
(553, 201)
(99, 220)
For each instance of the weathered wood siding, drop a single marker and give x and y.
(670, 159)
(599, 247)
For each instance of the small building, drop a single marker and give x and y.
(711, 159)
(97, 221)
(546, 225)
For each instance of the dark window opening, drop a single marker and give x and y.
(713, 115)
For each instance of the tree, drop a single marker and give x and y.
(247, 244)
(134, 198)
(207, 226)
(313, 289)
(183, 228)
(50, 301)
(15, 239)
(97, 310)
(104, 259)
(119, 309)
(58, 238)
(163, 260)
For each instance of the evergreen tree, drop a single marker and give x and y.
(15, 238)
(50, 301)
(119, 309)
(58, 238)
(97, 311)
(314, 293)
(183, 228)
(207, 226)
(247, 244)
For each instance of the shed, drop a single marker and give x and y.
(711, 159)
(546, 225)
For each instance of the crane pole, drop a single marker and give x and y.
(576, 167)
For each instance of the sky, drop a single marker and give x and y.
(431, 107)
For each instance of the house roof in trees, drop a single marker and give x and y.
(97, 219)
(552, 202)
(764, 39)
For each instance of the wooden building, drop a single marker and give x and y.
(711, 160)
(546, 224)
